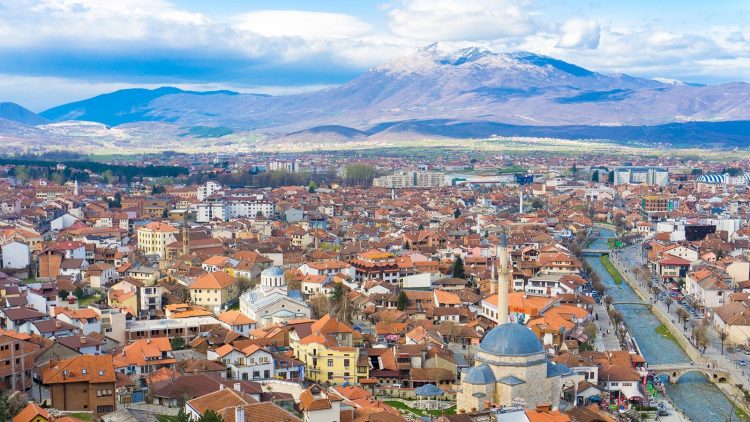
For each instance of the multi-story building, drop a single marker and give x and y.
(82, 383)
(145, 356)
(406, 179)
(331, 353)
(153, 238)
(214, 290)
(250, 363)
(228, 208)
(188, 328)
(652, 176)
(651, 204)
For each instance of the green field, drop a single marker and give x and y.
(418, 412)
(611, 269)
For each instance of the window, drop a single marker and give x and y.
(330, 376)
(346, 363)
(104, 409)
(330, 363)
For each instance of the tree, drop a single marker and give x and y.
(359, 174)
(668, 301)
(312, 186)
(590, 330)
(723, 336)
(107, 176)
(456, 213)
(608, 301)
(182, 416)
(403, 301)
(78, 293)
(611, 177)
(595, 176)
(458, 268)
(157, 189)
(244, 284)
(63, 294)
(574, 169)
(683, 316)
(116, 202)
(178, 343)
(210, 416)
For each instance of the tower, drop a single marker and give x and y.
(520, 199)
(185, 234)
(75, 188)
(502, 280)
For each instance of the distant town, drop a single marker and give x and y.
(333, 286)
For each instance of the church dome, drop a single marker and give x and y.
(511, 339)
(479, 375)
(272, 272)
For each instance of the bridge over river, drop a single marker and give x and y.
(674, 371)
(594, 252)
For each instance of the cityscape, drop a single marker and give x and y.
(396, 211)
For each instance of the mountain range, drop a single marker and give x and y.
(471, 92)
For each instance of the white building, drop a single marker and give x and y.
(229, 208)
(269, 303)
(250, 363)
(405, 179)
(15, 255)
(652, 176)
(207, 190)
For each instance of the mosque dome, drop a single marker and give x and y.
(511, 339)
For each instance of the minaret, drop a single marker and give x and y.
(502, 280)
(75, 187)
(185, 234)
(520, 199)
(492, 280)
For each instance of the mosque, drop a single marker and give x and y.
(511, 365)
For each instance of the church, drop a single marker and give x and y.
(270, 302)
(511, 365)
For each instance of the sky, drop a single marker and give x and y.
(56, 51)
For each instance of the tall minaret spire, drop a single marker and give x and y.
(502, 280)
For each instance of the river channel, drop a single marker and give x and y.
(698, 398)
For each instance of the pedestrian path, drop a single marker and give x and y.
(603, 341)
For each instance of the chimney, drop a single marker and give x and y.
(58, 324)
(83, 340)
(221, 386)
(239, 414)
(237, 386)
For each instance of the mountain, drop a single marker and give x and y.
(437, 93)
(18, 114)
(123, 106)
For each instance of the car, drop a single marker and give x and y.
(662, 412)
(742, 362)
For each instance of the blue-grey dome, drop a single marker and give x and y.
(273, 272)
(511, 339)
(479, 375)
(557, 369)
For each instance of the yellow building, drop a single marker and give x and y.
(214, 290)
(154, 237)
(331, 353)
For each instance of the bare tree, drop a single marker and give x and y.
(683, 315)
(668, 301)
(723, 336)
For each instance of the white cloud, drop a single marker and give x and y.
(460, 20)
(302, 24)
(579, 33)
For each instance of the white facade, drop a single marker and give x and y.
(207, 190)
(227, 209)
(15, 255)
(652, 176)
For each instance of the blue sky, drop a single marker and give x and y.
(54, 51)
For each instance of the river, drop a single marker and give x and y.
(694, 394)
